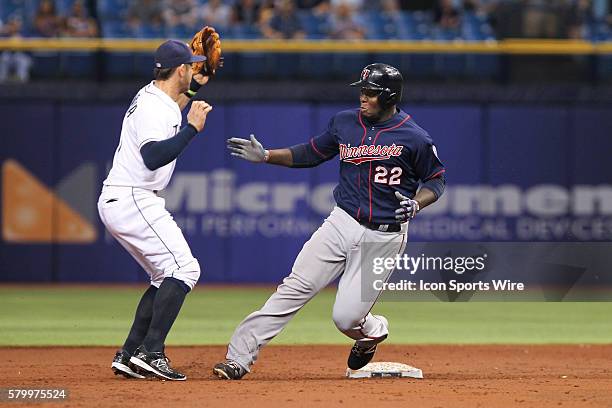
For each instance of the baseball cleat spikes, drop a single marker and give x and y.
(156, 363)
(121, 366)
(230, 370)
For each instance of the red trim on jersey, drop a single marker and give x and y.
(370, 189)
(315, 148)
(374, 143)
(358, 187)
(436, 175)
(390, 128)
(365, 131)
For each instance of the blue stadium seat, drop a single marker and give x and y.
(600, 31)
(374, 25)
(150, 31)
(476, 27)
(28, 11)
(420, 25)
(112, 9)
(441, 34)
(63, 6)
(180, 32)
(422, 17)
(470, 27)
(390, 27)
(487, 32)
(382, 26)
(316, 27)
(11, 8)
(114, 29)
(245, 31)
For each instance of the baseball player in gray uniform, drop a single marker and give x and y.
(384, 158)
(133, 213)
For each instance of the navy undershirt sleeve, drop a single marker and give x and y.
(436, 184)
(305, 156)
(158, 154)
(320, 148)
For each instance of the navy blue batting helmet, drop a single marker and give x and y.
(383, 78)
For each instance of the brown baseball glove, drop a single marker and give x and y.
(207, 42)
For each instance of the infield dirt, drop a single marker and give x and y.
(313, 376)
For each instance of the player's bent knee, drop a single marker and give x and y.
(189, 273)
(345, 320)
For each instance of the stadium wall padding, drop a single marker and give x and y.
(513, 173)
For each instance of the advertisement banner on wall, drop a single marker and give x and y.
(247, 223)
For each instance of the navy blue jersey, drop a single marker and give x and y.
(377, 159)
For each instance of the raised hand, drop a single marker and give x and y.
(250, 150)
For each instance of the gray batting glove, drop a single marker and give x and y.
(408, 208)
(250, 150)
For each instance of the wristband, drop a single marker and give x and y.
(194, 86)
(266, 156)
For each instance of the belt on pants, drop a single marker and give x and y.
(375, 226)
(381, 227)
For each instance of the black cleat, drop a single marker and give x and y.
(230, 370)
(360, 356)
(121, 366)
(363, 351)
(156, 363)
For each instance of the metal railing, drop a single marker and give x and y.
(509, 47)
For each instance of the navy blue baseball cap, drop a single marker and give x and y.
(173, 53)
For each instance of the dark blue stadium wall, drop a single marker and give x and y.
(514, 173)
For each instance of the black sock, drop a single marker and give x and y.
(142, 320)
(166, 307)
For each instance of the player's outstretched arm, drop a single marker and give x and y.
(252, 150)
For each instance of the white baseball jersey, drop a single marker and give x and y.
(129, 206)
(152, 116)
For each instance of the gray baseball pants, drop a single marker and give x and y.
(334, 250)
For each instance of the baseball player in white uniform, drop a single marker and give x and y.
(133, 213)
